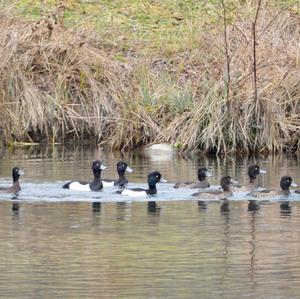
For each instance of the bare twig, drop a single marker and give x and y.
(254, 23)
(227, 79)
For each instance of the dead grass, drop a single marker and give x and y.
(61, 83)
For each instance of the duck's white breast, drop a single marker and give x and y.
(107, 184)
(133, 193)
(79, 187)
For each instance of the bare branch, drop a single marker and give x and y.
(254, 52)
(227, 80)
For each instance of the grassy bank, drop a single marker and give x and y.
(221, 78)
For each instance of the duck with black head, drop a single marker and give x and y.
(15, 188)
(202, 173)
(95, 185)
(253, 172)
(122, 181)
(285, 183)
(217, 194)
(153, 178)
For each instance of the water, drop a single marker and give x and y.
(60, 245)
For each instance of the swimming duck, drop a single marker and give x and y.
(285, 183)
(16, 173)
(122, 167)
(153, 178)
(202, 183)
(96, 185)
(253, 172)
(215, 194)
(297, 191)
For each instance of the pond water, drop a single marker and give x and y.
(58, 243)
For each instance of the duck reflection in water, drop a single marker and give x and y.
(96, 207)
(202, 206)
(15, 207)
(225, 209)
(253, 206)
(153, 212)
(123, 211)
(153, 209)
(285, 209)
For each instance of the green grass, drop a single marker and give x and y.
(143, 26)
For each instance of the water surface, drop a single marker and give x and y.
(60, 245)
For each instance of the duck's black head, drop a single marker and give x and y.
(122, 167)
(203, 173)
(286, 182)
(16, 173)
(97, 168)
(225, 182)
(254, 171)
(155, 177)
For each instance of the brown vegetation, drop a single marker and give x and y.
(64, 84)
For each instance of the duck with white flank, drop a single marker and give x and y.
(153, 178)
(95, 185)
(122, 181)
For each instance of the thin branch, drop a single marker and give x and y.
(254, 52)
(227, 80)
(269, 24)
(263, 66)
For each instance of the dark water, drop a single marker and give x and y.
(57, 246)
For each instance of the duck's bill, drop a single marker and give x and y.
(128, 169)
(21, 172)
(262, 171)
(102, 167)
(208, 173)
(162, 180)
(294, 185)
(233, 182)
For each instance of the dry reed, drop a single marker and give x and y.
(60, 84)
